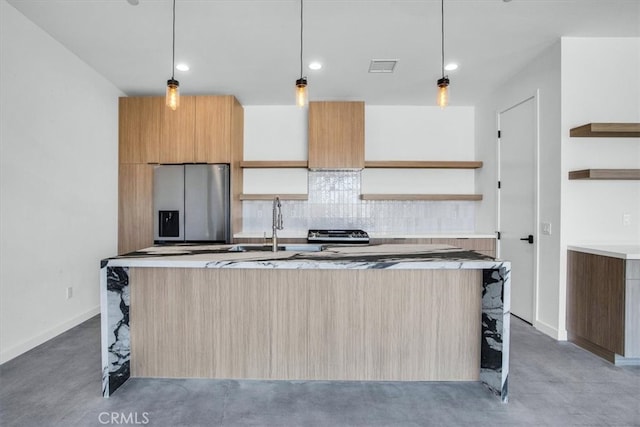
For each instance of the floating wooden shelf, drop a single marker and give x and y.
(387, 164)
(605, 174)
(620, 130)
(274, 164)
(273, 196)
(400, 164)
(421, 197)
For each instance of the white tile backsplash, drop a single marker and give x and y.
(334, 202)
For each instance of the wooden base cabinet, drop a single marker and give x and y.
(485, 246)
(603, 305)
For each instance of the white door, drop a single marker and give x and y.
(517, 202)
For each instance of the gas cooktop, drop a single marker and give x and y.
(338, 236)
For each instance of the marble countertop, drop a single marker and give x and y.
(394, 256)
(619, 250)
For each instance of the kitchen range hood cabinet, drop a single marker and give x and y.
(336, 135)
(191, 203)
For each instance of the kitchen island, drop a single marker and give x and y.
(377, 313)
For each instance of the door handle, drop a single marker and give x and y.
(529, 238)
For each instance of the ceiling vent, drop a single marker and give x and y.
(382, 65)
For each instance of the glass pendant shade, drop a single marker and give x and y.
(173, 94)
(301, 92)
(443, 92)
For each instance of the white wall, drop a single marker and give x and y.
(579, 80)
(58, 176)
(600, 83)
(391, 133)
(539, 78)
(275, 133)
(419, 133)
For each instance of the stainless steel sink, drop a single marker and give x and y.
(291, 247)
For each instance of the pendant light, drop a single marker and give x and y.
(173, 87)
(301, 83)
(443, 83)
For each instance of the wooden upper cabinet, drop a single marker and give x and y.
(140, 120)
(336, 135)
(201, 130)
(177, 143)
(213, 128)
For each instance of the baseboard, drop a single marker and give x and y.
(584, 343)
(551, 331)
(563, 335)
(626, 361)
(21, 348)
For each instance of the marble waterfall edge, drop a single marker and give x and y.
(116, 344)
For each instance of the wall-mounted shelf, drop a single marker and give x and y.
(376, 164)
(615, 130)
(438, 197)
(266, 164)
(605, 174)
(402, 164)
(273, 196)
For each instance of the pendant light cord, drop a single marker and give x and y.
(173, 49)
(301, 31)
(442, 28)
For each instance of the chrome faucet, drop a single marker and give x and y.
(276, 223)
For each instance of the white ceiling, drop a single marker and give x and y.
(250, 48)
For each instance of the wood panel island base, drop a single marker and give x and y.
(371, 313)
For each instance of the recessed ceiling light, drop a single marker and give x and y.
(451, 66)
(315, 65)
(182, 67)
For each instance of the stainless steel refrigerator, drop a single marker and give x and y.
(191, 203)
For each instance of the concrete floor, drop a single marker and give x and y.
(551, 384)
